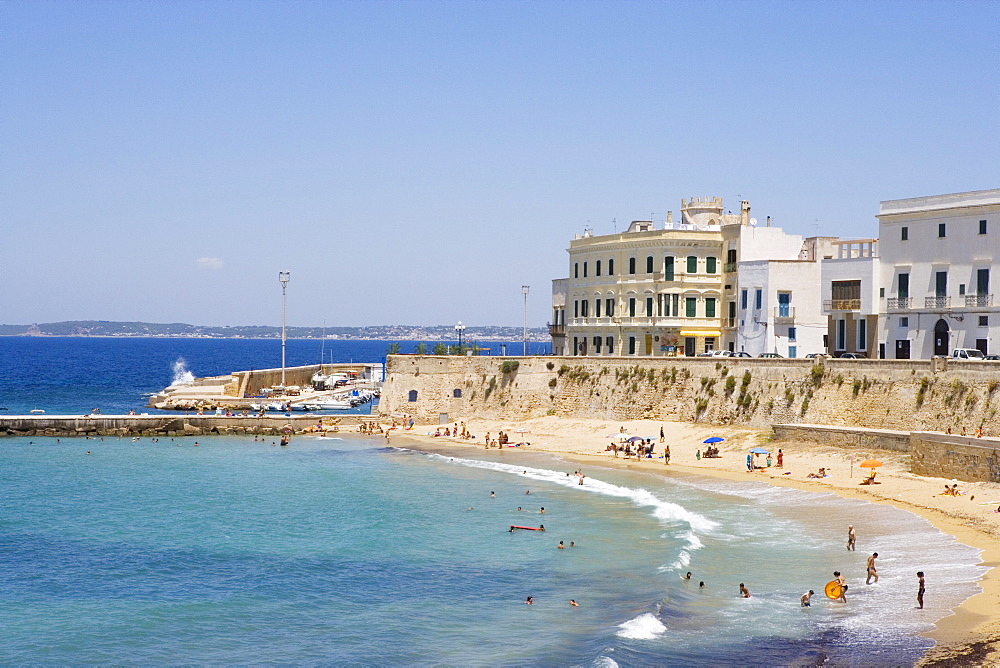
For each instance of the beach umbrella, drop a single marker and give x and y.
(714, 439)
(870, 464)
(759, 451)
(521, 431)
(634, 439)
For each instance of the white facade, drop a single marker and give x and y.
(851, 287)
(937, 256)
(779, 308)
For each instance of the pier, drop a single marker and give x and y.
(167, 425)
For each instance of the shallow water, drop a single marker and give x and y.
(347, 551)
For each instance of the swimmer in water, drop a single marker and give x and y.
(541, 527)
(561, 546)
(872, 573)
(744, 592)
(573, 603)
(572, 544)
(806, 598)
(701, 585)
(529, 600)
(493, 495)
(688, 576)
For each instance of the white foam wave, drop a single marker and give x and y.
(181, 374)
(644, 627)
(665, 511)
(605, 662)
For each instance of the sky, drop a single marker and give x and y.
(418, 162)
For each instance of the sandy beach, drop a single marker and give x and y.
(971, 636)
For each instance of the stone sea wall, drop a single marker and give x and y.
(900, 395)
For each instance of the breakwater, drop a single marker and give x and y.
(168, 425)
(902, 395)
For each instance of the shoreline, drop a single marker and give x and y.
(969, 635)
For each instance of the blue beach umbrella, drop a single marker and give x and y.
(634, 439)
(759, 451)
(714, 439)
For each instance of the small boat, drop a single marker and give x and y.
(36, 411)
(326, 405)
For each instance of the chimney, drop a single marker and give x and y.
(744, 212)
(670, 217)
(769, 221)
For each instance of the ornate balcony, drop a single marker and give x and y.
(937, 302)
(978, 300)
(729, 267)
(842, 305)
(898, 303)
(557, 330)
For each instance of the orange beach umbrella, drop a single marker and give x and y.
(870, 464)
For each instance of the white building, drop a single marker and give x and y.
(850, 293)
(937, 256)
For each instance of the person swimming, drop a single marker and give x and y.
(744, 592)
(573, 603)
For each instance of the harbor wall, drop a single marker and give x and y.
(960, 457)
(166, 425)
(895, 395)
(849, 437)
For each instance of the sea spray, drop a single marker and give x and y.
(182, 376)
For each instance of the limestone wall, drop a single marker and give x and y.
(902, 395)
(960, 457)
(852, 437)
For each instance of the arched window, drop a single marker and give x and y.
(709, 265)
(631, 265)
(649, 264)
(597, 268)
(412, 395)
(692, 263)
(611, 266)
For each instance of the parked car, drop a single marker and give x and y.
(993, 358)
(722, 353)
(742, 353)
(853, 356)
(817, 356)
(771, 355)
(967, 354)
(707, 353)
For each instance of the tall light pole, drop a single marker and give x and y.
(460, 328)
(283, 279)
(524, 291)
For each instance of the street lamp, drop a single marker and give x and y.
(283, 279)
(524, 291)
(460, 328)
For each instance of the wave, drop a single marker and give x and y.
(644, 627)
(665, 511)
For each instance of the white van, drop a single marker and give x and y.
(967, 354)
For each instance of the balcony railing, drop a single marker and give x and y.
(842, 305)
(978, 300)
(784, 313)
(729, 267)
(557, 330)
(729, 323)
(898, 303)
(937, 302)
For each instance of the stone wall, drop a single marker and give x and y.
(851, 437)
(900, 395)
(162, 425)
(960, 457)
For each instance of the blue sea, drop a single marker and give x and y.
(351, 550)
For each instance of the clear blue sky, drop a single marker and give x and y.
(417, 162)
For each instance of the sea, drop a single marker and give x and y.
(354, 550)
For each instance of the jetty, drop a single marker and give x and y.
(167, 425)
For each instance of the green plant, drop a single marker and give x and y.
(552, 383)
(746, 380)
(562, 369)
(440, 349)
(839, 380)
(789, 395)
(550, 365)
(551, 411)
(420, 349)
(509, 366)
(490, 387)
(393, 349)
(857, 386)
(700, 405)
(925, 383)
(992, 385)
(805, 405)
(816, 374)
(730, 386)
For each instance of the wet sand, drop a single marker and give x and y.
(970, 636)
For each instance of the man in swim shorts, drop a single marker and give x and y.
(852, 537)
(920, 590)
(806, 597)
(744, 592)
(872, 573)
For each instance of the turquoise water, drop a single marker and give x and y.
(350, 551)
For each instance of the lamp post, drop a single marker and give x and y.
(460, 328)
(283, 279)
(524, 291)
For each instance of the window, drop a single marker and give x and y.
(862, 334)
(758, 298)
(692, 262)
(710, 307)
(791, 333)
(784, 304)
(597, 345)
(611, 345)
(982, 282)
(585, 270)
(904, 322)
(941, 230)
(961, 288)
(631, 307)
(668, 268)
(631, 345)
(649, 306)
(576, 270)
(457, 393)
(631, 265)
(611, 266)
(841, 334)
(904, 233)
(984, 321)
(743, 300)
(412, 396)
(576, 308)
(690, 307)
(597, 268)
(649, 264)
(982, 227)
(881, 292)
(793, 351)
(709, 265)
(609, 306)
(941, 284)
(585, 305)
(597, 308)
(903, 286)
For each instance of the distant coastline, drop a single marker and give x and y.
(113, 329)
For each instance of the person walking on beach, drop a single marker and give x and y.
(872, 573)
(661, 434)
(852, 537)
(807, 598)
(781, 459)
(920, 589)
(744, 592)
(666, 454)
